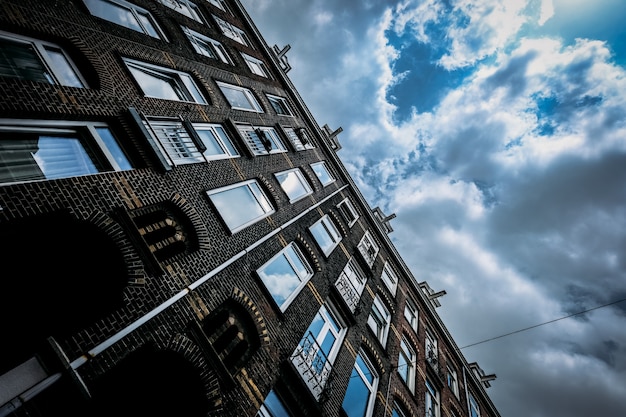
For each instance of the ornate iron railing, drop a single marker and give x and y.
(348, 291)
(312, 364)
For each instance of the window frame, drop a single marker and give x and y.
(390, 278)
(106, 156)
(432, 397)
(233, 32)
(278, 102)
(409, 354)
(348, 211)
(474, 408)
(179, 81)
(381, 323)
(42, 51)
(351, 278)
(296, 140)
(135, 11)
(370, 386)
(247, 94)
(256, 66)
(267, 208)
(254, 142)
(413, 316)
(214, 49)
(319, 176)
(225, 142)
(326, 225)
(305, 186)
(366, 243)
(452, 381)
(193, 11)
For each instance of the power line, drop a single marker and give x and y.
(543, 324)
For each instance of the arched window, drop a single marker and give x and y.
(361, 392)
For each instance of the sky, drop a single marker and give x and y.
(495, 130)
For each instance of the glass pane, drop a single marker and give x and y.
(357, 395)
(210, 141)
(322, 173)
(292, 184)
(322, 237)
(114, 13)
(192, 88)
(160, 87)
(237, 206)
(226, 140)
(297, 262)
(114, 148)
(365, 370)
(275, 406)
(64, 71)
(280, 279)
(237, 98)
(148, 25)
(20, 60)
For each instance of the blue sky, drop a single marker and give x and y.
(496, 132)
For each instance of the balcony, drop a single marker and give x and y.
(433, 361)
(313, 365)
(350, 294)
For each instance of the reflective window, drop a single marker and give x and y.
(185, 7)
(233, 32)
(241, 205)
(294, 184)
(348, 211)
(285, 274)
(398, 411)
(322, 172)
(474, 409)
(368, 248)
(43, 150)
(431, 404)
(379, 320)
(411, 313)
(453, 383)
(35, 60)
(256, 66)
(326, 234)
(240, 98)
(390, 278)
(351, 283)
(261, 140)
(407, 363)
(206, 46)
(165, 83)
(216, 141)
(272, 407)
(299, 139)
(125, 14)
(279, 104)
(361, 392)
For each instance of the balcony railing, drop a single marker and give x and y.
(348, 291)
(312, 364)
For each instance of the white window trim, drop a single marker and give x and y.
(255, 65)
(267, 212)
(433, 394)
(284, 102)
(254, 143)
(368, 248)
(346, 205)
(172, 135)
(301, 179)
(213, 128)
(414, 320)
(410, 357)
(233, 32)
(296, 140)
(46, 61)
(254, 103)
(330, 175)
(390, 278)
(178, 77)
(474, 408)
(455, 384)
(329, 227)
(371, 387)
(216, 47)
(302, 278)
(136, 11)
(194, 11)
(383, 332)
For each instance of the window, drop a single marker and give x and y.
(185, 7)
(407, 363)
(432, 400)
(294, 184)
(368, 248)
(411, 313)
(432, 354)
(279, 104)
(299, 138)
(379, 320)
(272, 407)
(126, 14)
(361, 392)
(220, 4)
(326, 234)
(240, 98)
(164, 83)
(314, 356)
(44, 150)
(348, 211)
(398, 411)
(390, 278)
(474, 410)
(177, 141)
(233, 32)
(452, 381)
(351, 283)
(285, 274)
(321, 170)
(241, 205)
(35, 60)
(261, 140)
(206, 46)
(255, 65)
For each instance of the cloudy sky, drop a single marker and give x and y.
(496, 131)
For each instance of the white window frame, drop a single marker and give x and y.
(206, 46)
(300, 141)
(390, 278)
(182, 83)
(368, 248)
(411, 313)
(251, 135)
(54, 71)
(290, 178)
(280, 102)
(326, 227)
(453, 381)
(233, 32)
(220, 4)
(174, 141)
(293, 256)
(267, 411)
(222, 139)
(379, 323)
(257, 194)
(430, 345)
(110, 155)
(347, 210)
(246, 94)
(255, 65)
(351, 283)
(137, 12)
(409, 355)
(186, 8)
(371, 386)
(431, 403)
(474, 409)
(322, 171)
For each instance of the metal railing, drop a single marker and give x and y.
(348, 291)
(312, 364)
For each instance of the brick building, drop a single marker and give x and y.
(179, 236)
